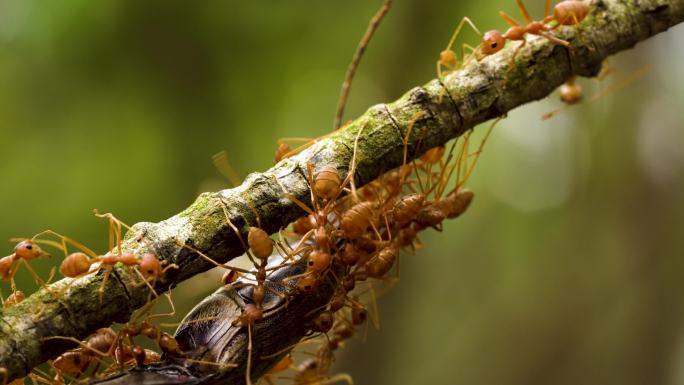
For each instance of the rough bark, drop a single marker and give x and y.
(449, 106)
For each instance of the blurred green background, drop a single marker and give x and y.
(567, 269)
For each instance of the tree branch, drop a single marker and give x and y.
(451, 106)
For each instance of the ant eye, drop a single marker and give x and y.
(494, 45)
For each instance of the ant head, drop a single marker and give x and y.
(359, 315)
(150, 266)
(307, 284)
(492, 42)
(251, 313)
(319, 261)
(27, 250)
(324, 322)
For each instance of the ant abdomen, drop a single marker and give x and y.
(72, 363)
(570, 91)
(75, 264)
(102, 341)
(327, 182)
(383, 262)
(457, 202)
(433, 155)
(571, 12)
(357, 219)
(259, 242)
(407, 207)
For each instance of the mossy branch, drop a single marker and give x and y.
(449, 107)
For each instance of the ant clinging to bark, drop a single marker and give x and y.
(567, 12)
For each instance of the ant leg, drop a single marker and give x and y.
(64, 240)
(294, 199)
(458, 30)
(375, 313)
(473, 52)
(312, 186)
(576, 21)
(511, 62)
(352, 170)
(461, 158)
(442, 181)
(254, 210)
(547, 8)
(337, 378)
(210, 363)
(636, 74)
(412, 122)
(80, 343)
(303, 140)
(193, 321)
(237, 232)
(41, 377)
(145, 281)
(223, 166)
(448, 50)
(511, 21)
(208, 259)
(108, 270)
(479, 150)
(248, 374)
(308, 142)
(523, 11)
(114, 229)
(165, 315)
(553, 39)
(38, 280)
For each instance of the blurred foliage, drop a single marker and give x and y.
(566, 270)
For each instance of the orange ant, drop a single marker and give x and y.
(108, 343)
(24, 251)
(448, 58)
(567, 12)
(259, 247)
(75, 362)
(78, 264)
